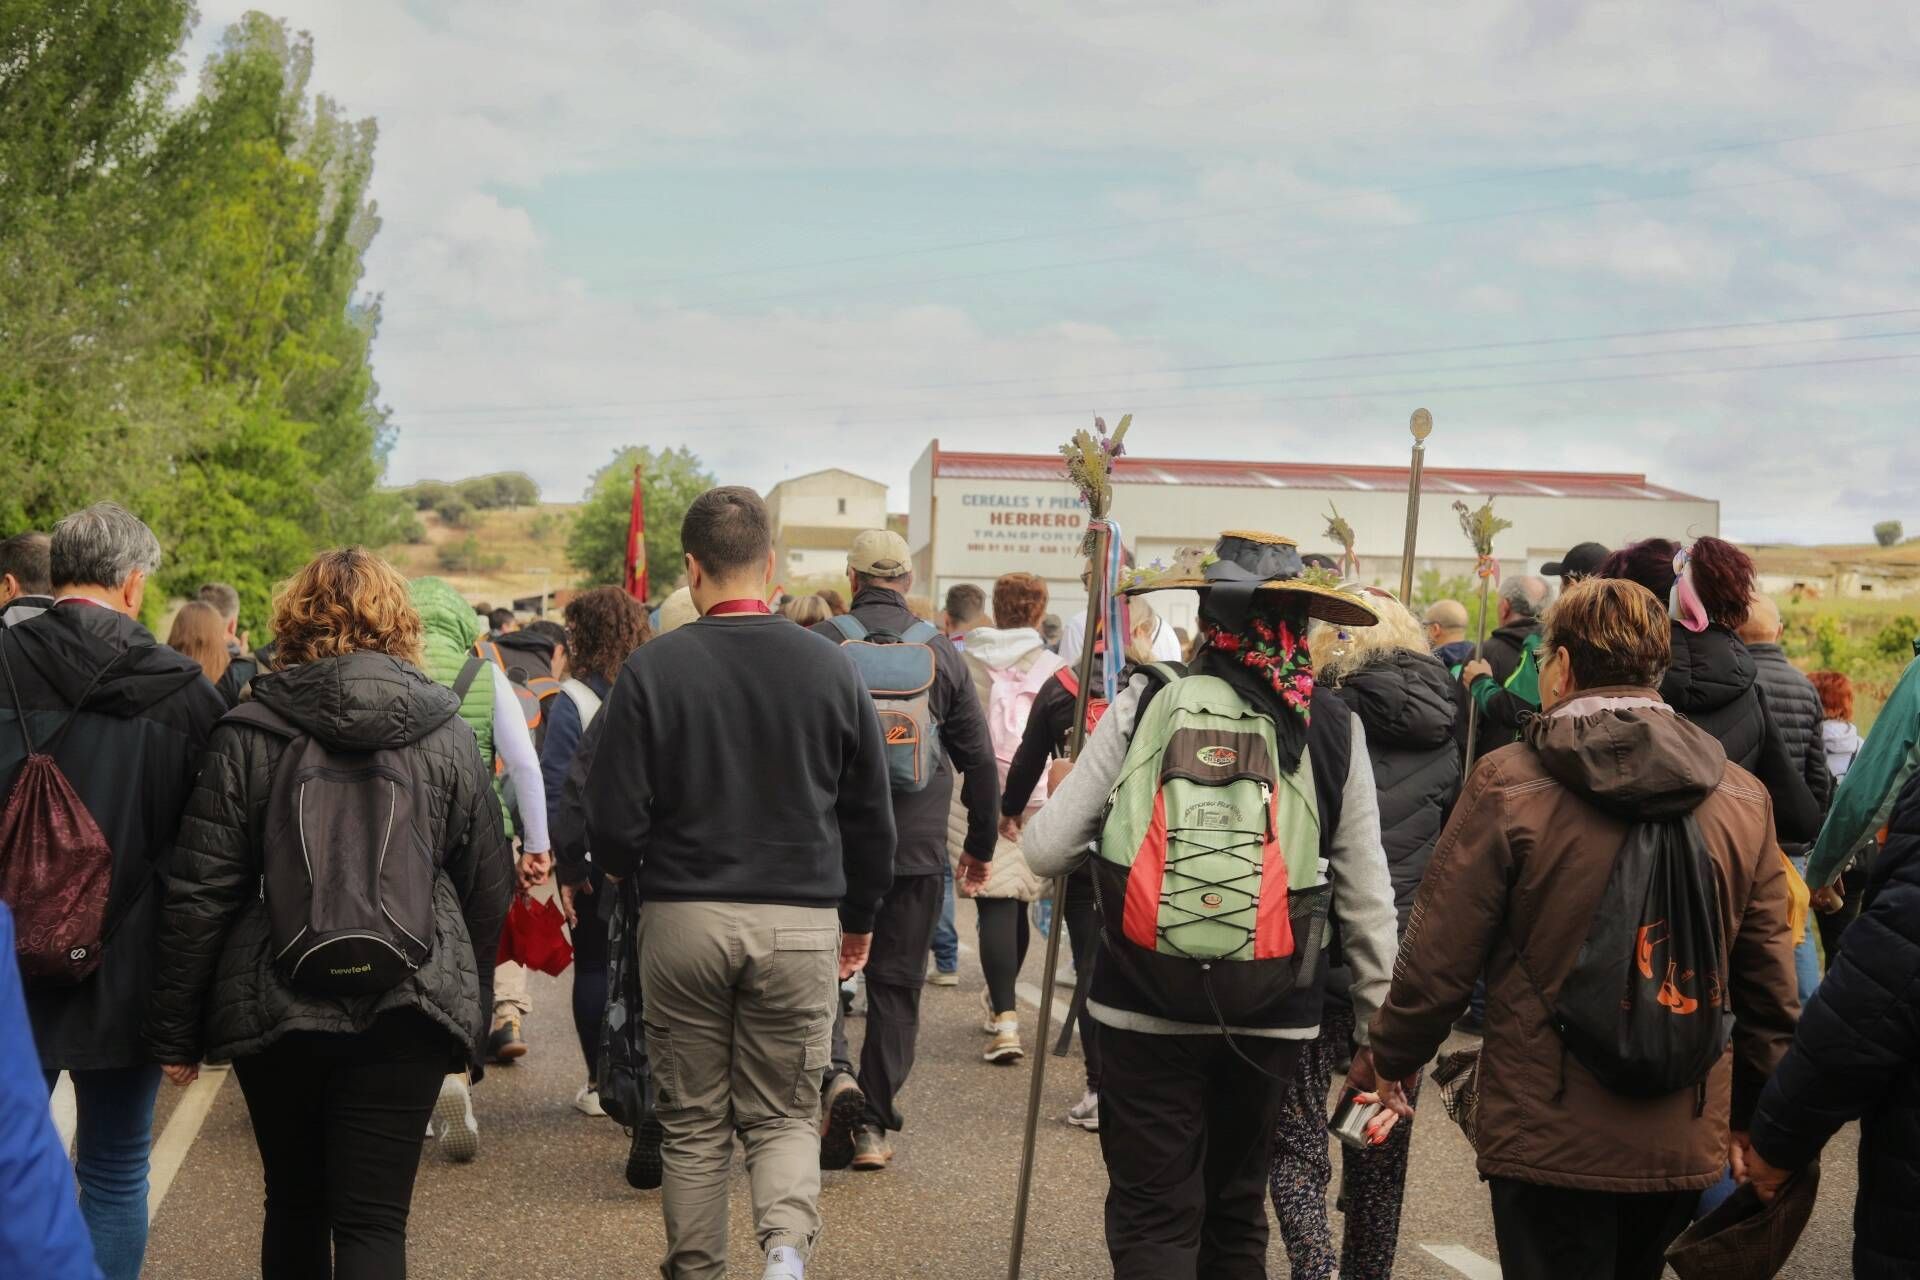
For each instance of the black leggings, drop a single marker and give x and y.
(1083, 929)
(1004, 935)
(590, 971)
(339, 1120)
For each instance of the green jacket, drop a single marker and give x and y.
(1864, 800)
(451, 629)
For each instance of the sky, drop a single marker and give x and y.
(1670, 239)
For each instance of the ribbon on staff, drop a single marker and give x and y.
(1684, 603)
(1488, 567)
(1114, 624)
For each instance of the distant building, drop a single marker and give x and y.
(815, 518)
(974, 516)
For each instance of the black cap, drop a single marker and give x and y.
(1582, 562)
(1315, 560)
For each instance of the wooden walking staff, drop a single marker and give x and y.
(1090, 457)
(1480, 526)
(1422, 426)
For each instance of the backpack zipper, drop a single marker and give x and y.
(342, 937)
(379, 871)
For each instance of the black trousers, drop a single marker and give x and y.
(1004, 937)
(1554, 1233)
(1186, 1126)
(339, 1121)
(1083, 929)
(590, 960)
(896, 972)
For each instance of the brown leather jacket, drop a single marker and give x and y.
(1517, 877)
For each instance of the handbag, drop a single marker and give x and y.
(535, 936)
(1458, 1076)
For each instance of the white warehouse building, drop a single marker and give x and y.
(975, 516)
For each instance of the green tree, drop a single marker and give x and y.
(1888, 532)
(180, 327)
(597, 543)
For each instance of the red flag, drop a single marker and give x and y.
(636, 583)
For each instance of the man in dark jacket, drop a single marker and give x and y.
(1856, 1055)
(741, 781)
(860, 1110)
(1792, 701)
(1587, 1182)
(26, 583)
(126, 719)
(1446, 626)
(242, 667)
(1504, 680)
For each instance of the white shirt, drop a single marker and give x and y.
(1073, 637)
(513, 744)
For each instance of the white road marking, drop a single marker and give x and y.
(64, 1115)
(176, 1140)
(1031, 994)
(1465, 1261)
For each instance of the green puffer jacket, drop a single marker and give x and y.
(1864, 801)
(216, 993)
(451, 630)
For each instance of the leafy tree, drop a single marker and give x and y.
(180, 327)
(597, 543)
(454, 510)
(468, 556)
(1888, 532)
(503, 489)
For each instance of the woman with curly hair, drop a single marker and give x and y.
(603, 626)
(339, 1086)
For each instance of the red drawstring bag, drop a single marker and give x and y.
(535, 935)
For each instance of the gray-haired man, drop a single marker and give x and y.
(126, 720)
(242, 667)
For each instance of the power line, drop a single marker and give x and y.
(1426, 389)
(1218, 367)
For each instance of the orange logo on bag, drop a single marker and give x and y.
(1211, 899)
(1217, 757)
(1670, 996)
(899, 733)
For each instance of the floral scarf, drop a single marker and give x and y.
(1272, 651)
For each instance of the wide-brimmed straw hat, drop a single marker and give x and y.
(1245, 561)
(1743, 1239)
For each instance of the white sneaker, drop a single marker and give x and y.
(459, 1131)
(1005, 1045)
(1085, 1114)
(587, 1101)
(992, 1023)
(784, 1264)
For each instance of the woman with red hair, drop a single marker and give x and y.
(1708, 588)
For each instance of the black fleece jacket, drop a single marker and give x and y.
(921, 816)
(740, 760)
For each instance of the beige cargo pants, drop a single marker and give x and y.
(739, 1013)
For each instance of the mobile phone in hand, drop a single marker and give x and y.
(1351, 1118)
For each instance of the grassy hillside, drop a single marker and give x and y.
(495, 555)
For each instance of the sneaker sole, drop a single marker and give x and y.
(510, 1053)
(460, 1143)
(1001, 1057)
(872, 1164)
(836, 1141)
(645, 1169)
(1091, 1124)
(944, 980)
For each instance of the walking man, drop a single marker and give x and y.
(860, 1112)
(741, 780)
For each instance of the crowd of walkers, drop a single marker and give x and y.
(1635, 882)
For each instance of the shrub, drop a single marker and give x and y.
(1888, 532)
(455, 510)
(466, 556)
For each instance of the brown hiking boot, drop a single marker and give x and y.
(871, 1150)
(505, 1045)
(842, 1105)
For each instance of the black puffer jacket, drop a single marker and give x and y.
(130, 755)
(1406, 702)
(1794, 705)
(216, 994)
(1857, 1055)
(1714, 682)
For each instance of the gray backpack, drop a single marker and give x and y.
(899, 672)
(348, 865)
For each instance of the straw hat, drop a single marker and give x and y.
(1245, 561)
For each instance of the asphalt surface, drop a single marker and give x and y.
(546, 1197)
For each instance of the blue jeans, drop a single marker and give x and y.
(1806, 954)
(946, 938)
(110, 1150)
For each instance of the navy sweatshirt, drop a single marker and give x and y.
(740, 760)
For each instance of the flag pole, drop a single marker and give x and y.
(636, 575)
(1090, 461)
(1422, 426)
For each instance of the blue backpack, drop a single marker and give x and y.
(899, 672)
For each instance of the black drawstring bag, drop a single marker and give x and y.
(1645, 1008)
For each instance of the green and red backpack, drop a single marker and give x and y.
(1212, 890)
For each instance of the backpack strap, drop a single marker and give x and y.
(849, 627)
(1159, 675)
(919, 633)
(20, 709)
(252, 713)
(464, 681)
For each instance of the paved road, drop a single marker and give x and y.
(546, 1197)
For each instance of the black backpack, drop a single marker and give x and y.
(1645, 1008)
(347, 864)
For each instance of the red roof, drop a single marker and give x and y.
(1317, 475)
